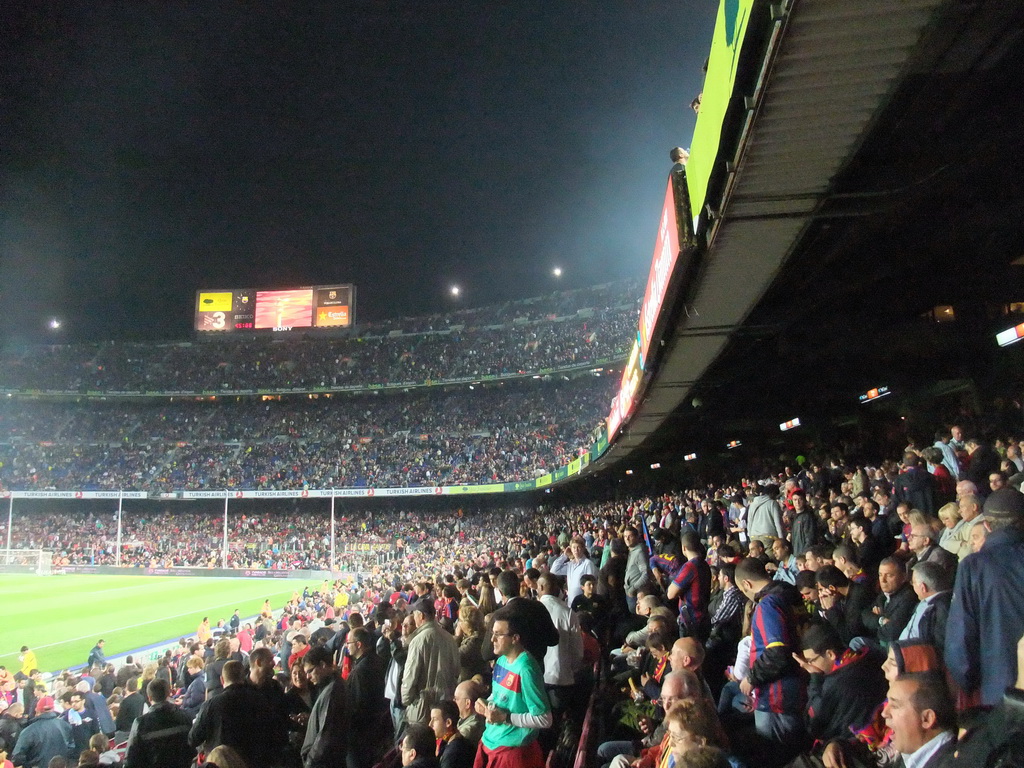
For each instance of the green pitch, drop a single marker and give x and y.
(62, 617)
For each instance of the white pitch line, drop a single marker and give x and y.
(130, 626)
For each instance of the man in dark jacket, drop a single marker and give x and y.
(159, 738)
(914, 485)
(933, 586)
(842, 601)
(845, 686)
(455, 750)
(327, 732)
(366, 703)
(892, 609)
(261, 678)
(83, 722)
(540, 630)
(240, 718)
(46, 737)
(805, 524)
(131, 708)
(418, 747)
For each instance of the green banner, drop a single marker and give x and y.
(730, 31)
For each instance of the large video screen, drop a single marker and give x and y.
(287, 309)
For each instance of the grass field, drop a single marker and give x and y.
(62, 617)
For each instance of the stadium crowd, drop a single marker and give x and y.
(563, 330)
(829, 615)
(498, 433)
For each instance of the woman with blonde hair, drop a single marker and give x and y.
(487, 603)
(224, 757)
(470, 634)
(949, 514)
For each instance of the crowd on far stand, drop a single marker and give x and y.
(828, 614)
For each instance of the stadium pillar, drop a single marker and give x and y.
(224, 550)
(10, 522)
(120, 504)
(333, 566)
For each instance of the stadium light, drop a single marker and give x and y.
(557, 271)
(54, 324)
(787, 425)
(1010, 335)
(455, 290)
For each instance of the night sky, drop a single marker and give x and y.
(151, 149)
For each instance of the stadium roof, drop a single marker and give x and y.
(875, 176)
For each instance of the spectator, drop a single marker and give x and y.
(932, 585)
(431, 667)
(132, 706)
(915, 485)
(764, 516)
(159, 738)
(239, 718)
(842, 602)
(987, 610)
(920, 713)
(105, 754)
(924, 546)
(195, 694)
(895, 604)
(46, 737)
(692, 585)
(574, 565)
(82, 722)
(418, 747)
(327, 733)
(471, 725)
(774, 674)
(454, 749)
(845, 687)
(637, 571)
(518, 706)
(366, 703)
(562, 661)
(970, 507)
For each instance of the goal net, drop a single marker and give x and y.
(38, 560)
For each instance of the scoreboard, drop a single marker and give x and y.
(289, 309)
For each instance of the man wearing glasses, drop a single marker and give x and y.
(845, 686)
(518, 706)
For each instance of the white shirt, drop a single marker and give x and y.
(913, 629)
(573, 571)
(920, 758)
(562, 661)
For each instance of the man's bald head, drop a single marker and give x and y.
(466, 694)
(687, 654)
(681, 685)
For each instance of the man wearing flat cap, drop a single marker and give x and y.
(986, 617)
(431, 667)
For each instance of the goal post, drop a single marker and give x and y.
(40, 561)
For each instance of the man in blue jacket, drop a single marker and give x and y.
(46, 737)
(986, 617)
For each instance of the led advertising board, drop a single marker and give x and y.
(287, 309)
(874, 394)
